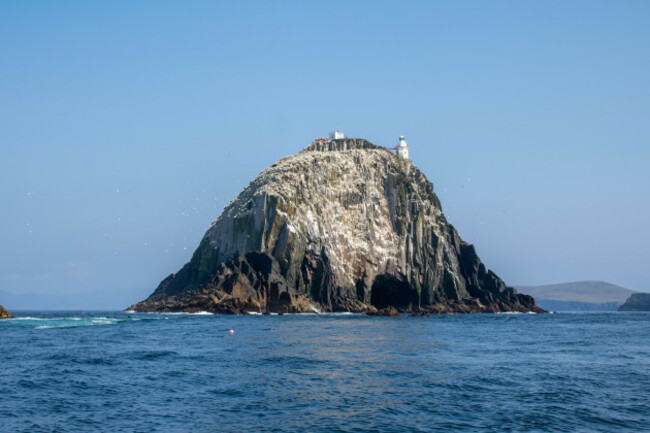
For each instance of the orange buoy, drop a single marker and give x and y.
(231, 331)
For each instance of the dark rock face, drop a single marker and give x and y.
(344, 225)
(4, 314)
(636, 302)
(250, 282)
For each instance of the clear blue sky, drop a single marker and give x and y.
(126, 127)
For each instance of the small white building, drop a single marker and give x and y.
(336, 135)
(402, 148)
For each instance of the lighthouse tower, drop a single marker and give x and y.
(402, 148)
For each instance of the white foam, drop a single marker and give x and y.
(103, 321)
(254, 313)
(314, 309)
(74, 322)
(185, 313)
(53, 318)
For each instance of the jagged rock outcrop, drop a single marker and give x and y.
(250, 282)
(344, 225)
(4, 314)
(389, 311)
(636, 302)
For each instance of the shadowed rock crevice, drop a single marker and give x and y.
(344, 225)
(390, 290)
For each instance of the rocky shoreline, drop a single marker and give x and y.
(235, 307)
(4, 314)
(252, 283)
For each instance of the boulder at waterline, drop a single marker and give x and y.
(4, 314)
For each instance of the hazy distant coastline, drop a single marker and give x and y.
(578, 296)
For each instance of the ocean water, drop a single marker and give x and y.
(119, 372)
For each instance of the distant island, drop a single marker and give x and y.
(578, 296)
(343, 225)
(636, 302)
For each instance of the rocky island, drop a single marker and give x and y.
(343, 225)
(4, 314)
(636, 302)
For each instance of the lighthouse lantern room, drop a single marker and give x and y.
(402, 148)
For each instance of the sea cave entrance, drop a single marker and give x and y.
(391, 290)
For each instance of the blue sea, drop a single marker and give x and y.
(120, 372)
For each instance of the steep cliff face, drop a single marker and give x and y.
(343, 225)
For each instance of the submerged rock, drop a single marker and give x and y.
(4, 314)
(343, 225)
(636, 302)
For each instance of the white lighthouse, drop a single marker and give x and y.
(402, 148)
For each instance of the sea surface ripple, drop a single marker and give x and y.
(119, 372)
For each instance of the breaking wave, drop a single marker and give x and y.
(62, 322)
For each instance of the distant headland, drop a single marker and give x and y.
(636, 302)
(578, 296)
